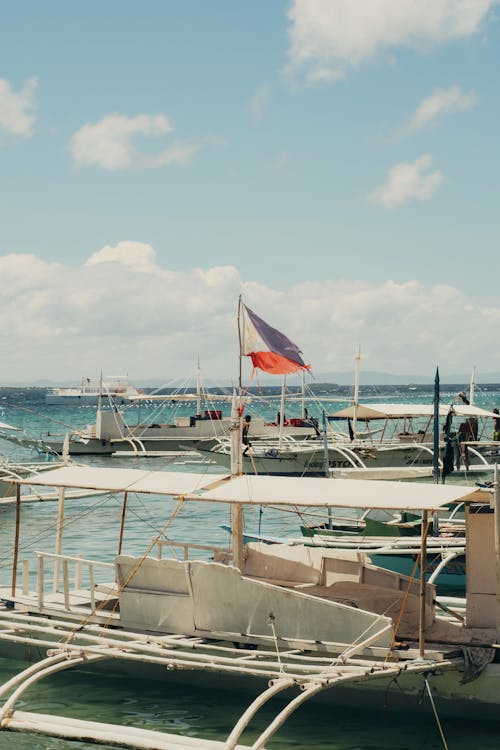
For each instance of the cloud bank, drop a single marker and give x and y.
(123, 311)
(328, 37)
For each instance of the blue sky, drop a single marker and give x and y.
(334, 161)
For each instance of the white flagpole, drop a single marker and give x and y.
(198, 389)
(472, 384)
(282, 411)
(356, 392)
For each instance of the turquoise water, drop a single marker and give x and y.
(92, 529)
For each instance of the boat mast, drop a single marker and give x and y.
(472, 385)
(282, 412)
(356, 392)
(198, 390)
(303, 392)
(237, 458)
(99, 396)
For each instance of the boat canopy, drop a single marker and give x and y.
(125, 480)
(262, 490)
(402, 411)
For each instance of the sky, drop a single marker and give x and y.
(334, 162)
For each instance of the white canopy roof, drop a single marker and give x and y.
(260, 490)
(124, 480)
(339, 493)
(399, 411)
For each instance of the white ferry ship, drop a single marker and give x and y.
(116, 387)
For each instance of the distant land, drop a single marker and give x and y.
(367, 378)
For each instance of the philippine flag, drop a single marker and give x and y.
(269, 349)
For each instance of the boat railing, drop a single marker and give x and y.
(65, 580)
(219, 554)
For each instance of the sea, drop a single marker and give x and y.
(92, 529)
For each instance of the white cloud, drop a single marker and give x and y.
(338, 34)
(259, 101)
(408, 181)
(16, 109)
(440, 102)
(137, 256)
(110, 143)
(178, 153)
(124, 311)
(324, 75)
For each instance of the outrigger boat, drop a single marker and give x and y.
(404, 435)
(291, 620)
(403, 446)
(114, 433)
(298, 621)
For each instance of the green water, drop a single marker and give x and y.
(211, 714)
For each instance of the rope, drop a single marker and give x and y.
(271, 622)
(443, 739)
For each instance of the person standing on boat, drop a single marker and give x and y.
(496, 425)
(244, 434)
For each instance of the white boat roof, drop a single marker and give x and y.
(261, 490)
(124, 480)
(399, 411)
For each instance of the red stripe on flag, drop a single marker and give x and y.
(275, 363)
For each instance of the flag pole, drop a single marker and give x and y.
(198, 389)
(472, 385)
(356, 393)
(282, 412)
(236, 462)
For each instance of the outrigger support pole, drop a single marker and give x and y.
(423, 584)
(16, 539)
(122, 522)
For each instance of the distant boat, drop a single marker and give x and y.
(116, 387)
